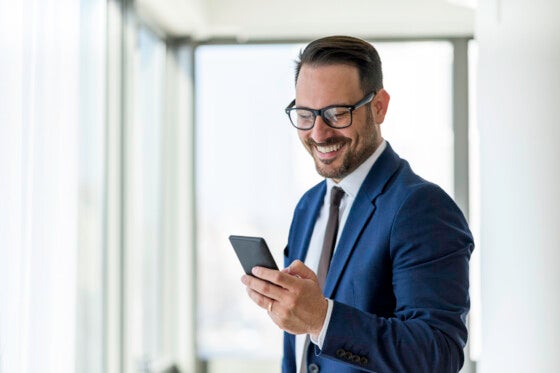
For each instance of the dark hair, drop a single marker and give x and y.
(345, 50)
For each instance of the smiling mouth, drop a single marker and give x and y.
(325, 149)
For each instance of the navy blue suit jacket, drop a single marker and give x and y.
(398, 277)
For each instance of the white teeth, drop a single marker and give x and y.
(328, 149)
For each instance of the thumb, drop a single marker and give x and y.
(297, 268)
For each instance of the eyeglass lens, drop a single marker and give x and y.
(335, 117)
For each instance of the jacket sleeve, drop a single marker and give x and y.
(430, 246)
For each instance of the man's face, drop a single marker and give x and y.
(338, 152)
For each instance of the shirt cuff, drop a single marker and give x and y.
(321, 338)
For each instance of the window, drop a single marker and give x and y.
(143, 302)
(250, 171)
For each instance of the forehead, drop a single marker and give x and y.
(323, 85)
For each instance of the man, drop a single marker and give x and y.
(395, 296)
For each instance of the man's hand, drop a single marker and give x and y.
(292, 297)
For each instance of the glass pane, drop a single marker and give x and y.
(252, 169)
(89, 348)
(143, 306)
(419, 125)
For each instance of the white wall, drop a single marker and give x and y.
(519, 111)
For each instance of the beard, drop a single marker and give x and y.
(351, 158)
(350, 161)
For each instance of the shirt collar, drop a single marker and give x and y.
(352, 183)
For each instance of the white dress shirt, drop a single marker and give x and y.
(351, 185)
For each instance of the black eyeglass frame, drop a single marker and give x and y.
(320, 112)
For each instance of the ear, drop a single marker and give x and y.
(379, 105)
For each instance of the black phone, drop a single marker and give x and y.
(252, 252)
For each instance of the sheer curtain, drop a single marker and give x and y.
(43, 152)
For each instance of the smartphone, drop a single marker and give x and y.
(252, 252)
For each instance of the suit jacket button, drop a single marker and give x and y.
(364, 361)
(313, 368)
(348, 356)
(356, 359)
(340, 353)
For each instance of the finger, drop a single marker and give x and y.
(263, 287)
(282, 279)
(261, 300)
(299, 269)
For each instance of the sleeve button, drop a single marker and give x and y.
(313, 368)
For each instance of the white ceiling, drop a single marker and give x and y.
(303, 19)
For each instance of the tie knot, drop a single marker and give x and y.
(336, 196)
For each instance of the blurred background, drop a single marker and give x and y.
(137, 135)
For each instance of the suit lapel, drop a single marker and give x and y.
(360, 214)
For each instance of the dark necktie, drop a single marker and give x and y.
(330, 235)
(326, 254)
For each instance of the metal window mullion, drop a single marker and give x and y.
(460, 107)
(460, 79)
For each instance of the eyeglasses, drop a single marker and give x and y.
(335, 116)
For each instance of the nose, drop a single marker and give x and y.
(321, 131)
